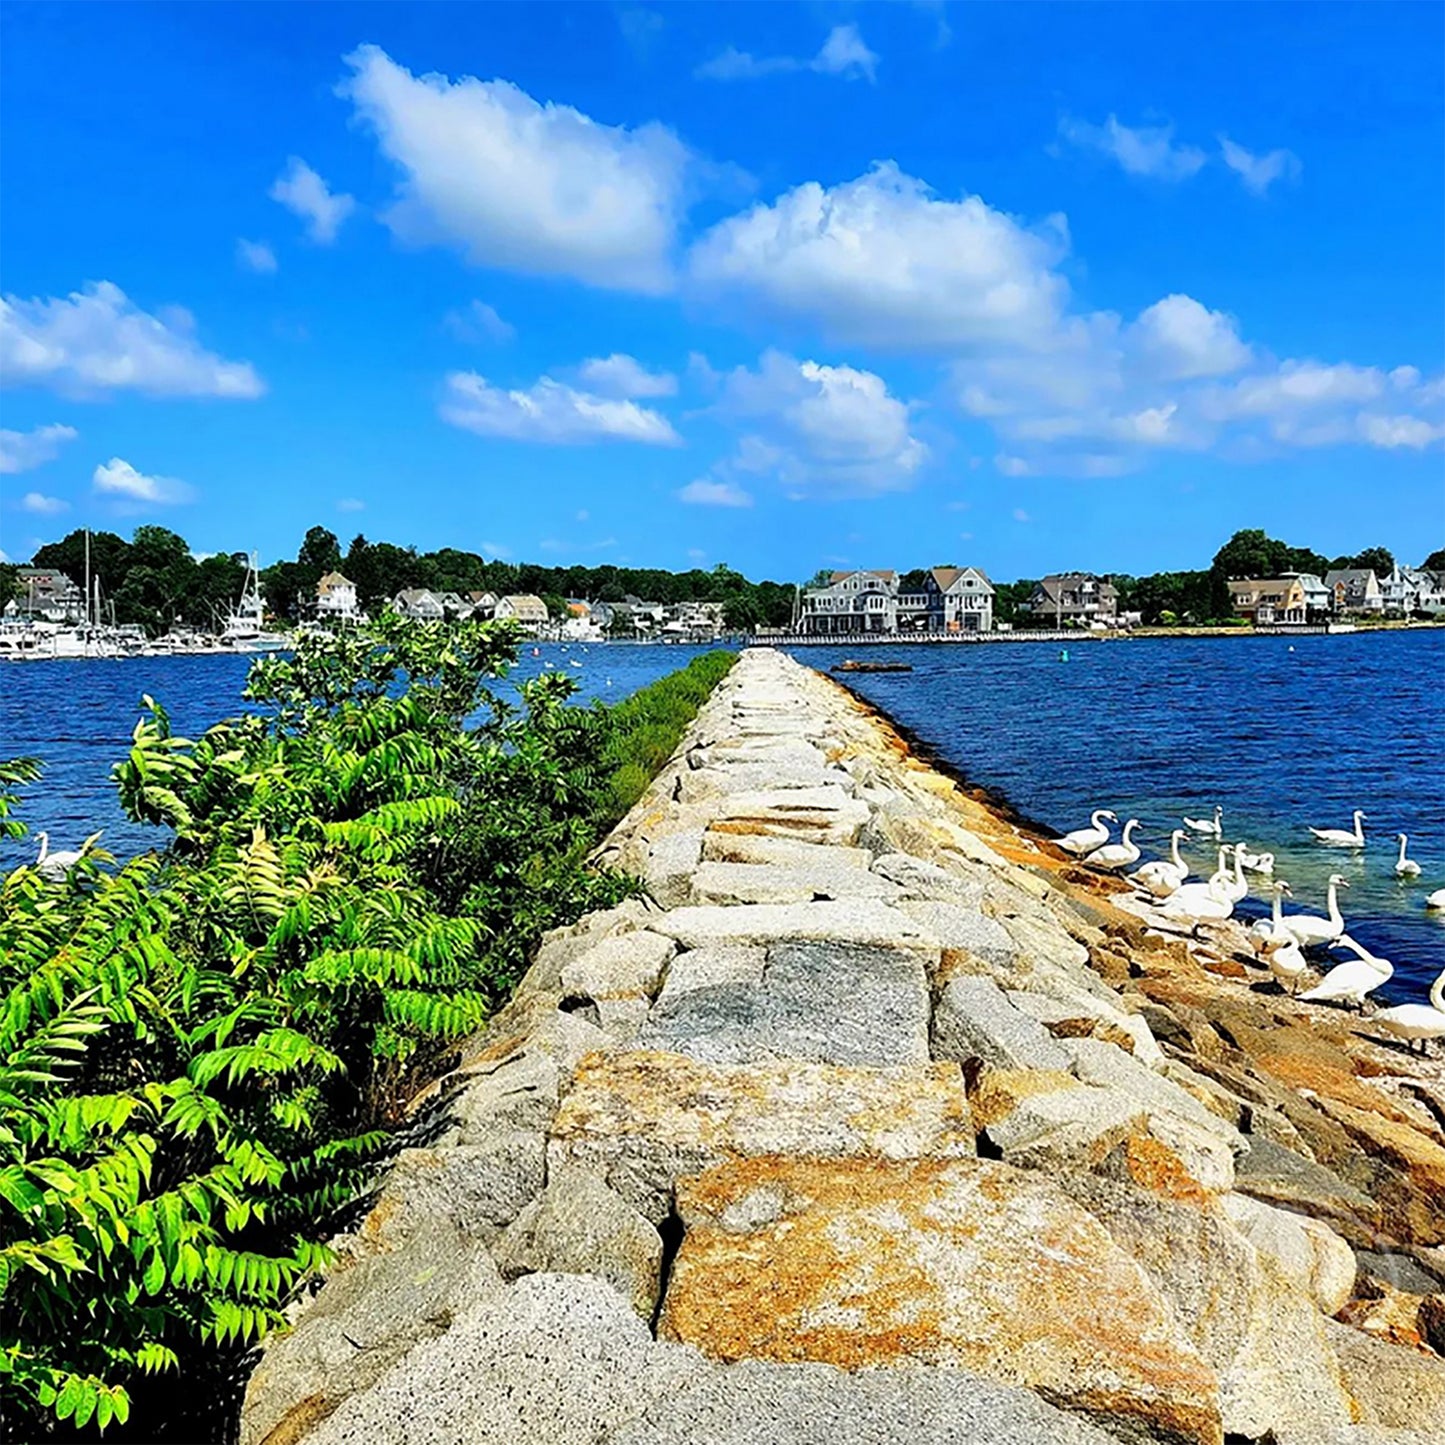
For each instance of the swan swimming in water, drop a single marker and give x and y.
(1257, 862)
(1310, 929)
(1085, 840)
(1416, 1021)
(55, 866)
(1214, 828)
(1114, 857)
(1436, 899)
(1163, 876)
(1406, 867)
(1339, 838)
(1350, 982)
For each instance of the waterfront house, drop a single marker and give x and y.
(1268, 600)
(523, 607)
(1319, 600)
(418, 603)
(1073, 598)
(1429, 591)
(1355, 590)
(336, 599)
(482, 605)
(852, 602)
(959, 599)
(47, 594)
(1411, 590)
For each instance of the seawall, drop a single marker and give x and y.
(879, 1120)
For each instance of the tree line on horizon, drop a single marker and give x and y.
(155, 580)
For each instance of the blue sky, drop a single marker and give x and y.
(1028, 287)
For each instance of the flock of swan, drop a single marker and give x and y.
(1282, 939)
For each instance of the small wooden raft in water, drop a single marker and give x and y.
(851, 666)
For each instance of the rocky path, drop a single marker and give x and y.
(867, 1127)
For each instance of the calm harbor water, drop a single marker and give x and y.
(1282, 732)
(1280, 738)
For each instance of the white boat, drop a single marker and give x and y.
(245, 630)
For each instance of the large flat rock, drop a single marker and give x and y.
(785, 852)
(863, 921)
(642, 1119)
(813, 815)
(787, 883)
(828, 1003)
(963, 1263)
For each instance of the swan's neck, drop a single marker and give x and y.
(1437, 993)
(1336, 917)
(1278, 909)
(1178, 861)
(1359, 829)
(1129, 828)
(1097, 821)
(1402, 849)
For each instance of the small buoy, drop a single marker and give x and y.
(1291, 647)
(1064, 655)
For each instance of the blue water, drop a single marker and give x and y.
(77, 717)
(1150, 728)
(1156, 728)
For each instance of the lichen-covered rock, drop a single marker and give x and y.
(577, 1225)
(1399, 1388)
(825, 1002)
(1307, 1251)
(711, 965)
(811, 815)
(629, 965)
(781, 852)
(965, 1263)
(974, 1022)
(642, 1119)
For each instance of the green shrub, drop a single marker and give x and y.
(205, 1050)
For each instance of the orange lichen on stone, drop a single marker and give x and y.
(1152, 1165)
(964, 1263)
(998, 1092)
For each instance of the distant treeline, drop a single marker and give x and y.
(156, 581)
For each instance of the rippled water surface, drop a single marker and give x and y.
(1282, 732)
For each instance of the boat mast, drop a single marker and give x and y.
(87, 578)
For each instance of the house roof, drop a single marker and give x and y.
(332, 579)
(410, 596)
(947, 576)
(1351, 576)
(886, 574)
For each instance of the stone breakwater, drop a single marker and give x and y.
(878, 1121)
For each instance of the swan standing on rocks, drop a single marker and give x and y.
(1257, 862)
(1201, 901)
(1350, 982)
(1164, 875)
(1285, 961)
(1417, 1021)
(1114, 857)
(1214, 828)
(1310, 929)
(1406, 867)
(1085, 840)
(1234, 885)
(1339, 838)
(1265, 929)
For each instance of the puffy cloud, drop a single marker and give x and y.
(833, 430)
(118, 478)
(550, 412)
(622, 375)
(304, 193)
(882, 260)
(530, 187)
(1180, 338)
(1399, 431)
(46, 506)
(476, 321)
(1295, 386)
(350, 504)
(1259, 172)
(97, 340)
(705, 492)
(1146, 150)
(256, 256)
(843, 53)
(21, 451)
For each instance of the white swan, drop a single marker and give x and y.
(1257, 863)
(1214, 828)
(1339, 838)
(1234, 885)
(1286, 961)
(1265, 930)
(1417, 1021)
(1085, 840)
(1163, 876)
(1114, 857)
(55, 866)
(1350, 982)
(1406, 867)
(1310, 929)
(1201, 901)
(1436, 899)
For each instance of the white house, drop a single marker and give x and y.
(336, 599)
(418, 603)
(523, 607)
(1355, 589)
(852, 602)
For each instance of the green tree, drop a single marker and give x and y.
(1435, 562)
(1379, 560)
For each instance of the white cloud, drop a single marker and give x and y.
(46, 506)
(350, 504)
(495, 549)
(842, 53)
(256, 256)
(1011, 466)
(705, 492)
(1259, 172)
(622, 375)
(696, 554)
(536, 188)
(118, 478)
(550, 412)
(1399, 431)
(98, 340)
(476, 322)
(1179, 338)
(881, 260)
(1295, 386)
(21, 451)
(834, 430)
(1146, 150)
(1021, 516)
(304, 193)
